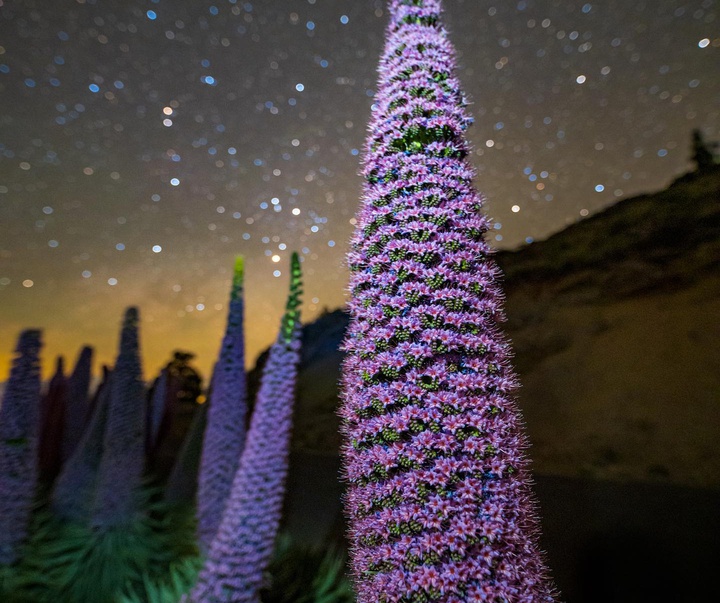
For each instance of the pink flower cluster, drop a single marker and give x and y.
(243, 546)
(439, 498)
(225, 431)
(19, 426)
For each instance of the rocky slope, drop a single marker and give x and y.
(616, 323)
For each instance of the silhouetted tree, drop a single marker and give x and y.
(173, 402)
(702, 155)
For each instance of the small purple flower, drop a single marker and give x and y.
(19, 425)
(439, 499)
(224, 438)
(242, 548)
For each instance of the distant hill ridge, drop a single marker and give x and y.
(615, 325)
(652, 229)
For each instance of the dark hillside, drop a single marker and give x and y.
(615, 322)
(637, 244)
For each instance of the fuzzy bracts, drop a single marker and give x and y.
(225, 431)
(19, 425)
(241, 551)
(123, 459)
(439, 498)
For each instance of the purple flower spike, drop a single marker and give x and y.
(52, 424)
(225, 431)
(157, 409)
(19, 418)
(439, 499)
(123, 459)
(241, 551)
(72, 496)
(76, 410)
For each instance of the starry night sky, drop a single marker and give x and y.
(143, 144)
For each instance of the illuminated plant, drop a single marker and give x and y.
(439, 499)
(225, 431)
(242, 548)
(19, 424)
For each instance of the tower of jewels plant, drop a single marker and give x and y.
(74, 490)
(105, 535)
(123, 458)
(19, 426)
(439, 499)
(52, 424)
(77, 408)
(225, 431)
(241, 550)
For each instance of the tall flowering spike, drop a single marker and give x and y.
(157, 408)
(181, 487)
(77, 407)
(439, 500)
(19, 418)
(123, 458)
(291, 318)
(52, 424)
(241, 551)
(225, 431)
(73, 494)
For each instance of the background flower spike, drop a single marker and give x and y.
(77, 408)
(19, 426)
(74, 489)
(242, 549)
(224, 437)
(123, 459)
